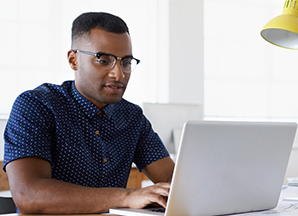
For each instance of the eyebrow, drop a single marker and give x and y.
(103, 53)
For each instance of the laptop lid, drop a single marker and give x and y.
(228, 167)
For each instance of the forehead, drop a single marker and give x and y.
(107, 42)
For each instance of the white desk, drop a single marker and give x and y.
(5, 193)
(284, 208)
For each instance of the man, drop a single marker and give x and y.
(69, 148)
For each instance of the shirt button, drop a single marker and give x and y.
(97, 132)
(98, 112)
(104, 115)
(105, 160)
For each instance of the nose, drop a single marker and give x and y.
(116, 71)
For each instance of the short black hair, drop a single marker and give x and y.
(85, 22)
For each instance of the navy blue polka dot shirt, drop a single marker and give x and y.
(84, 145)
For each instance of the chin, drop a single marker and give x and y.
(113, 101)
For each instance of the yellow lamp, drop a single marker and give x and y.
(283, 30)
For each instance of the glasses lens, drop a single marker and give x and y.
(106, 61)
(128, 64)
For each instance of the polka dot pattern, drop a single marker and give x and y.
(85, 145)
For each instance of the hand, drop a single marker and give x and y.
(140, 198)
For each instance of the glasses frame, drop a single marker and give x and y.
(98, 54)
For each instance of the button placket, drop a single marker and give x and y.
(105, 159)
(99, 133)
(99, 130)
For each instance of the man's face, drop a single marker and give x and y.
(101, 87)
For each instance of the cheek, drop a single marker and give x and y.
(90, 72)
(127, 77)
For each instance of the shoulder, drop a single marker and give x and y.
(44, 97)
(47, 92)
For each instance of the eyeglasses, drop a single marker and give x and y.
(108, 61)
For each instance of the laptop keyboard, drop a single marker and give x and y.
(159, 210)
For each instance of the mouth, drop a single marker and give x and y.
(114, 88)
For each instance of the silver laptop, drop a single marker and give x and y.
(226, 168)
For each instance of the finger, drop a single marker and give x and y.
(164, 184)
(159, 200)
(158, 190)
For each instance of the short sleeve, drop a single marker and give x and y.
(150, 147)
(28, 130)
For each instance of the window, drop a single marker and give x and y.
(36, 35)
(245, 76)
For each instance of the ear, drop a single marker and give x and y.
(72, 59)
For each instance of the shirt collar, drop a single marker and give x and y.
(108, 110)
(89, 108)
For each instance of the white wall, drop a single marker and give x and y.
(186, 60)
(180, 37)
(2, 126)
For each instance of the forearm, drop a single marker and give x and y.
(50, 196)
(35, 192)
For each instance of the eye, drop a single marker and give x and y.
(126, 62)
(105, 60)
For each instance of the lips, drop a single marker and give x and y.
(114, 88)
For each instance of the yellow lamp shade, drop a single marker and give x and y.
(283, 30)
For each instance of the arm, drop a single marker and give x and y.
(160, 171)
(34, 191)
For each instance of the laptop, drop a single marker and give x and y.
(226, 168)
